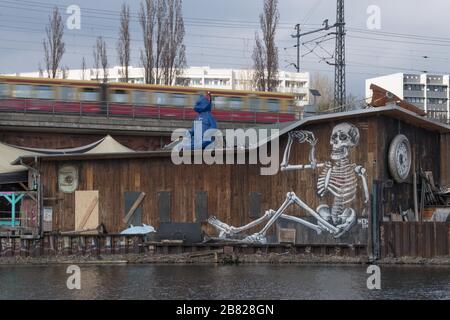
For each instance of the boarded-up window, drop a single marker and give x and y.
(255, 205)
(130, 199)
(201, 206)
(86, 210)
(164, 206)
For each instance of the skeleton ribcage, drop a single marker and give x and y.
(340, 180)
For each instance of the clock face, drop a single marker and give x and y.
(400, 158)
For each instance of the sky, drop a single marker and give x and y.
(412, 35)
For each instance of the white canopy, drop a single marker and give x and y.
(109, 145)
(9, 153)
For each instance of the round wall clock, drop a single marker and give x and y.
(400, 158)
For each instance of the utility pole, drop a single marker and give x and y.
(297, 27)
(298, 35)
(339, 77)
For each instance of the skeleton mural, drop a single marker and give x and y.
(338, 177)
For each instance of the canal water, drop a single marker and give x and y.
(224, 282)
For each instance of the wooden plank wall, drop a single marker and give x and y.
(426, 148)
(445, 160)
(72, 140)
(415, 239)
(228, 187)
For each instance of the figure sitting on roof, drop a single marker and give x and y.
(204, 119)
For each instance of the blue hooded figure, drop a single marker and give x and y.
(203, 108)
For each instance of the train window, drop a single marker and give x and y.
(235, 103)
(253, 103)
(273, 105)
(22, 91)
(119, 96)
(179, 100)
(3, 90)
(140, 97)
(43, 92)
(89, 94)
(161, 98)
(219, 102)
(67, 93)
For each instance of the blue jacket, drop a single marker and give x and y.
(203, 108)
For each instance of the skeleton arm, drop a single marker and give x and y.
(302, 137)
(361, 172)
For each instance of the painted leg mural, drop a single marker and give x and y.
(337, 177)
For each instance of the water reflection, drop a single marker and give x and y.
(224, 282)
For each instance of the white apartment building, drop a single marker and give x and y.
(200, 77)
(427, 91)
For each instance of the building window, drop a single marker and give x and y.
(195, 81)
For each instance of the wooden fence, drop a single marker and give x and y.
(415, 239)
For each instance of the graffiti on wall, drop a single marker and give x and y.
(338, 177)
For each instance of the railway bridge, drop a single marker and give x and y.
(68, 131)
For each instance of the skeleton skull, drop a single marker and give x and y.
(344, 137)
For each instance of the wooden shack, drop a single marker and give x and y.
(238, 194)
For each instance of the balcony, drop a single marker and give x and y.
(437, 94)
(413, 93)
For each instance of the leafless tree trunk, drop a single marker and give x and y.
(96, 62)
(147, 21)
(161, 40)
(101, 57)
(174, 51)
(54, 46)
(41, 71)
(265, 53)
(123, 46)
(83, 69)
(64, 72)
(325, 86)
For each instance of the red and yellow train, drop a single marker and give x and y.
(90, 98)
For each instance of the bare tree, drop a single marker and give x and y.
(161, 39)
(147, 21)
(64, 72)
(174, 59)
(101, 58)
(325, 86)
(41, 71)
(83, 69)
(96, 65)
(54, 46)
(265, 53)
(123, 45)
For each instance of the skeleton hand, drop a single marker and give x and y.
(304, 136)
(347, 220)
(360, 170)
